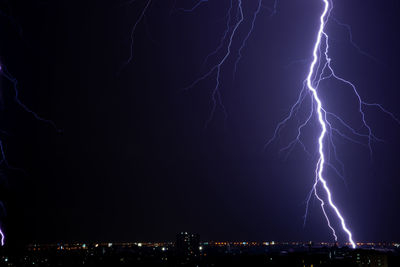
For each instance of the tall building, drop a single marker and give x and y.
(187, 244)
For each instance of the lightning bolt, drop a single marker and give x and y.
(321, 69)
(322, 118)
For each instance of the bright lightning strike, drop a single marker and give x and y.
(321, 118)
(321, 69)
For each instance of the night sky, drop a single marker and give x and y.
(134, 161)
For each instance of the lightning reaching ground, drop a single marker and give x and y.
(311, 84)
(321, 69)
(321, 119)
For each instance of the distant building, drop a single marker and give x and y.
(188, 244)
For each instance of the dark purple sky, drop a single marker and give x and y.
(135, 162)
